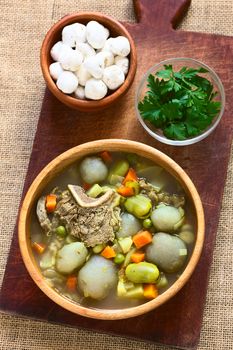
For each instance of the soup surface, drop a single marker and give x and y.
(113, 230)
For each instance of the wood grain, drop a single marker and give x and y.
(177, 322)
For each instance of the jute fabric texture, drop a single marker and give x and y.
(23, 25)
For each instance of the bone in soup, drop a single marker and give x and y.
(112, 231)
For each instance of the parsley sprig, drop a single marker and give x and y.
(179, 103)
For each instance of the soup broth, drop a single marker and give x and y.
(113, 230)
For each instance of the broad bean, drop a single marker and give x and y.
(139, 205)
(142, 272)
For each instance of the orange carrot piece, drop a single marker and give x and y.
(51, 202)
(137, 257)
(86, 186)
(108, 252)
(106, 156)
(142, 238)
(130, 176)
(71, 283)
(150, 291)
(39, 247)
(125, 191)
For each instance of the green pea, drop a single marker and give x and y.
(61, 231)
(147, 223)
(119, 258)
(142, 272)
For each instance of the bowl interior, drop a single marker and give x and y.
(61, 163)
(54, 35)
(177, 64)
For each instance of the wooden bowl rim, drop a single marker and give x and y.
(67, 99)
(72, 155)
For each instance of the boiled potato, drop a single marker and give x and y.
(97, 277)
(93, 170)
(129, 225)
(167, 218)
(70, 257)
(168, 252)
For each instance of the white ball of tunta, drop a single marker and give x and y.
(120, 46)
(94, 66)
(73, 34)
(55, 69)
(57, 49)
(107, 45)
(70, 59)
(82, 74)
(105, 58)
(95, 89)
(96, 34)
(85, 49)
(123, 63)
(113, 77)
(67, 82)
(80, 93)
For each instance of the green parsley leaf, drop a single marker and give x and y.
(180, 103)
(171, 111)
(175, 131)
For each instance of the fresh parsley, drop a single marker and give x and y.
(181, 103)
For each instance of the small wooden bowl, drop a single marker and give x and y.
(59, 164)
(54, 35)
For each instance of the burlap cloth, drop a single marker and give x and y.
(23, 25)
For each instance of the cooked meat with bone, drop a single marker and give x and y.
(91, 224)
(85, 201)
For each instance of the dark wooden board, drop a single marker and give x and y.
(178, 322)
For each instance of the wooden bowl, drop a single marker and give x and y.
(58, 165)
(54, 35)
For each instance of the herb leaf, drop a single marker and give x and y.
(175, 131)
(179, 103)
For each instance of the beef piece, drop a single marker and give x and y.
(171, 199)
(42, 215)
(161, 197)
(94, 225)
(148, 190)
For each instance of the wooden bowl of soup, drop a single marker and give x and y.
(71, 99)
(111, 229)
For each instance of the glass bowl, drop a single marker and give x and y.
(177, 64)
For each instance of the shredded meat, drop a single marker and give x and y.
(42, 215)
(94, 225)
(161, 197)
(148, 190)
(171, 199)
